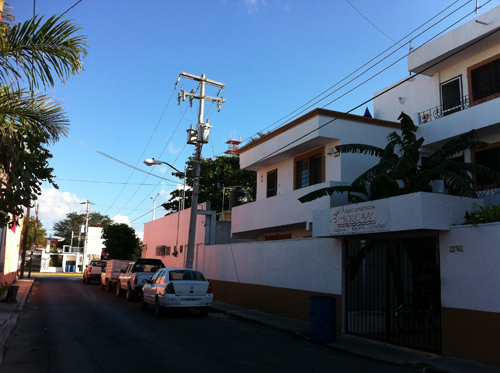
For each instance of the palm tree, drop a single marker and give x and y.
(35, 52)
(400, 171)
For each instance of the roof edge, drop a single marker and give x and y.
(311, 114)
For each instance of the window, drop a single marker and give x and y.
(309, 169)
(489, 158)
(272, 183)
(485, 80)
(160, 250)
(155, 276)
(451, 93)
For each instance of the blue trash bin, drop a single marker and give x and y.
(73, 268)
(68, 268)
(322, 318)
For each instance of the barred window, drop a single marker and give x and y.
(160, 250)
(485, 80)
(309, 169)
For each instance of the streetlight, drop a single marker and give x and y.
(154, 204)
(156, 162)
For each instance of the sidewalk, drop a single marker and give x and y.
(10, 313)
(362, 347)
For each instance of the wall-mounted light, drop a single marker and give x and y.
(401, 100)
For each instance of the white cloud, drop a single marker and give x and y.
(55, 205)
(120, 219)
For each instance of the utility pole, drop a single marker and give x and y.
(86, 234)
(197, 137)
(25, 241)
(34, 240)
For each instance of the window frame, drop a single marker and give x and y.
(271, 192)
(455, 108)
(313, 153)
(473, 100)
(474, 153)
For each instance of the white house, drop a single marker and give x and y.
(376, 258)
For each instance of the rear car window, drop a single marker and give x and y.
(100, 263)
(190, 275)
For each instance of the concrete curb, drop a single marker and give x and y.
(377, 351)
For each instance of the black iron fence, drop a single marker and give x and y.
(440, 111)
(393, 292)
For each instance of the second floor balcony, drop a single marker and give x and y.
(463, 103)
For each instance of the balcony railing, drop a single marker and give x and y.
(440, 111)
(488, 190)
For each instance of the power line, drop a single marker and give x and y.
(117, 160)
(314, 101)
(362, 15)
(100, 182)
(71, 7)
(141, 157)
(382, 93)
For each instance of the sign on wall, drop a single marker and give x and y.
(360, 218)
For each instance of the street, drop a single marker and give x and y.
(72, 327)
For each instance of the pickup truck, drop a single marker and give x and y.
(93, 270)
(133, 278)
(110, 276)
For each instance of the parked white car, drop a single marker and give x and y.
(177, 288)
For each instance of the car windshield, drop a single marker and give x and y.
(185, 274)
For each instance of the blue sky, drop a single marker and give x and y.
(273, 55)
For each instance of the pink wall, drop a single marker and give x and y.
(173, 231)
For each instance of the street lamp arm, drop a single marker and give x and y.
(155, 162)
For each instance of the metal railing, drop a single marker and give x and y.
(440, 111)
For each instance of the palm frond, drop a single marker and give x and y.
(323, 192)
(360, 149)
(35, 49)
(38, 113)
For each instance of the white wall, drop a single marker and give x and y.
(470, 278)
(311, 264)
(95, 243)
(280, 210)
(388, 106)
(415, 211)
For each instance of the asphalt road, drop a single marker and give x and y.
(72, 327)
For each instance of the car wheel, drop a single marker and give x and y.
(102, 285)
(144, 305)
(130, 294)
(84, 280)
(88, 281)
(204, 311)
(158, 309)
(119, 291)
(109, 287)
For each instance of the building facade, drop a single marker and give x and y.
(403, 270)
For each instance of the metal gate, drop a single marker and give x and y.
(393, 291)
